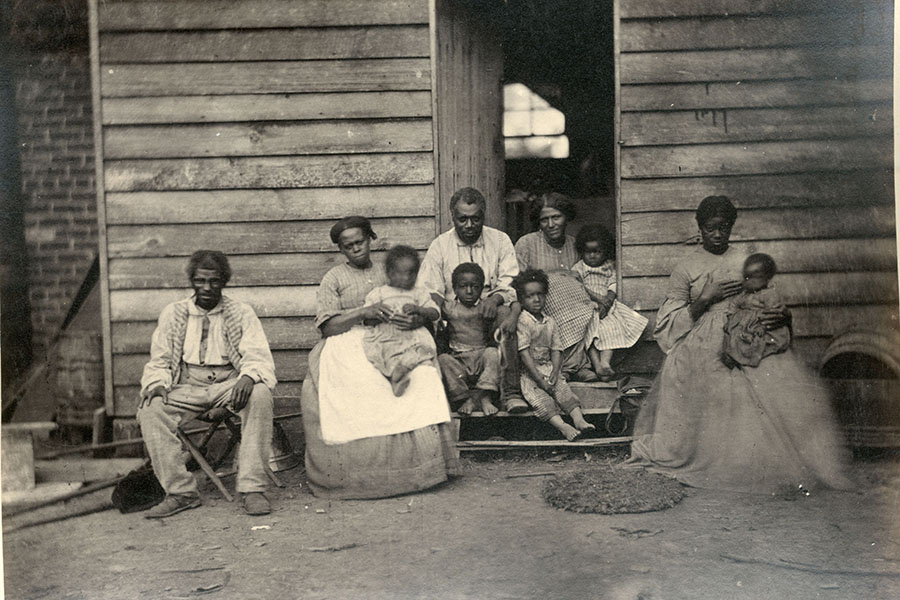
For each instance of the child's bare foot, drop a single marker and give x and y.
(484, 399)
(570, 433)
(467, 407)
(582, 425)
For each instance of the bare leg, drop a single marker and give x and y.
(483, 398)
(602, 367)
(569, 432)
(578, 419)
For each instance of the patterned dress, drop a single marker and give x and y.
(620, 327)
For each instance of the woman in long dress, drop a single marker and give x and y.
(762, 429)
(361, 440)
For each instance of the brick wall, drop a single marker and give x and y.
(55, 136)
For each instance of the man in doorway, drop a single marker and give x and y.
(492, 250)
(208, 351)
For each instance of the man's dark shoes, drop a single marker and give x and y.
(255, 503)
(173, 504)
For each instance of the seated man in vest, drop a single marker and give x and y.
(207, 351)
(492, 250)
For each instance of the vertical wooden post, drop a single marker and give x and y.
(93, 13)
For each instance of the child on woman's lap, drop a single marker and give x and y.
(541, 354)
(471, 370)
(613, 325)
(747, 341)
(393, 351)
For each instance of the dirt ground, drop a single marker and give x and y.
(483, 535)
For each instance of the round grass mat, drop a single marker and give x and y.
(610, 491)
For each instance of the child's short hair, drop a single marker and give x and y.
(596, 233)
(468, 267)
(767, 262)
(530, 276)
(398, 252)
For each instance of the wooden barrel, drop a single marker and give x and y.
(78, 372)
(862, 367)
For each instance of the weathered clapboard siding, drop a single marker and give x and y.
(249, 270)
(766, 224)
(264, 237)
(249, 126)
(268, 44)
(248, 14)
(283, 333)
(136, 208)
(864, 186)
(268, 172)
(794, 256)
(269, 301)
(271, 139)
(786, 107)
(256, 107)
(266, 77)
(754, 94)
(759, 31)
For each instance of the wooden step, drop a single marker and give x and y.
(596, 399)
(482, 445)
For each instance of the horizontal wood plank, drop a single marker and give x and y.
(637, 9)
(272, 77)
(647, 293)
(246, 14)
(260, 237)
(754, 94)
(853, 62)
(266, 107)
(762, 31)
(268, 172)
(247, 270)
(290, 365)
(750, 125)
(268, 205)
(283, 333)
(851, 188)
(756, 157)
(823, 321)
(765, 224)
(271, 301)
(267, 139)
(792, 256)
(286, 395)
(268, 44)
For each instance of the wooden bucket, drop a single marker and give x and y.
(862, 367)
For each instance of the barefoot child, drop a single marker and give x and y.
(613, 325)
(470, 362)
(541, 354)
(747, 341)
(394, 351)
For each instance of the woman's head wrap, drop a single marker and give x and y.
(555, 200)
(354, 222)
(716, 206)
